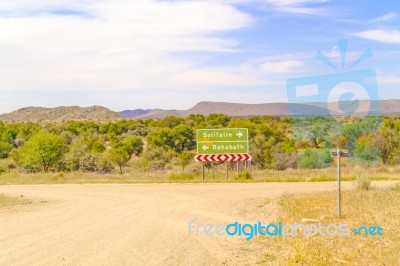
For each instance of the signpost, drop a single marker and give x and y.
(222, 145)
(223, 141)
(339, 153)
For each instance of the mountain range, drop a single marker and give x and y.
(100, 113)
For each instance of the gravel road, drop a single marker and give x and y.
(136, 224)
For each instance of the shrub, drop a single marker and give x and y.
(2, 170)
(244, 175)
(58, 176)
(181, 176)
(31, 168)
(284, 161)
(363, 182)
(11, 166)
(366, 153)
(105, 166)
(315, 159)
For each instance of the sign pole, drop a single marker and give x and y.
(237, 168)
(251, 166)
(212, 170)
(227, 167)
(339, 187)
(202, 170)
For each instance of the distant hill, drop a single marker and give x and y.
(134, 113)
(149, 113)
(99, 113)
(61, 113)
(387, 107)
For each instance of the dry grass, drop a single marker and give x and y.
(10, 201)
(379, 207)
(349, 173)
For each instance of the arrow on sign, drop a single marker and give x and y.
(239, 134)
(205, 147)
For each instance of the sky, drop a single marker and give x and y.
(172, 54)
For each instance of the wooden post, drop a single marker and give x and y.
(339, 187)
(339, 153)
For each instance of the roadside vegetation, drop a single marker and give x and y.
(10, 201)
(162, 150)
(373, 207)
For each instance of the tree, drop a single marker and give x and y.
(119, 156)
(133, 145)
(5, 148)
(164, 138)
(388, 143)
(184, 159)
(184, 138)
(313, 159)
(43, 150)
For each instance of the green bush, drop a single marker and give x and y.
(315, 159)
(2, 170)
(363, 182)
(58, 176)
(181, 176)
(366, 153)
(244, 175)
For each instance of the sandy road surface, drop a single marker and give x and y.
(135, 224)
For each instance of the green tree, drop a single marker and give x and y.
(313, 159)
(164, 138)
(119, 156)
(43, 150)
(184, 159)
(387, 142)
(184, 138)
(5, 148)
(133, 146)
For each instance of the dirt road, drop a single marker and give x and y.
(135, 224)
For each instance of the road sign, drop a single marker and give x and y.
(343, 153)
(222, 157)
(223, 141)
(339, 153)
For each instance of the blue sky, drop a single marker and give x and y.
(172, 54)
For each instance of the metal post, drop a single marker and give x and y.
(237, 168)
(202, 170)
(212, 170)
(339, 188)
(251, 166)
(227, 167)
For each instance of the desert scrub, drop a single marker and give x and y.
(181, 176)
(363, 182)
(9, 201)
(244, 175)
(376, 207)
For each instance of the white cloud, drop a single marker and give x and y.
(380, 35)
(110, 44)
(388, 79)
(280, 67)
(385, 18)
(300, 6)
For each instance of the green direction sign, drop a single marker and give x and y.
(223, 141)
